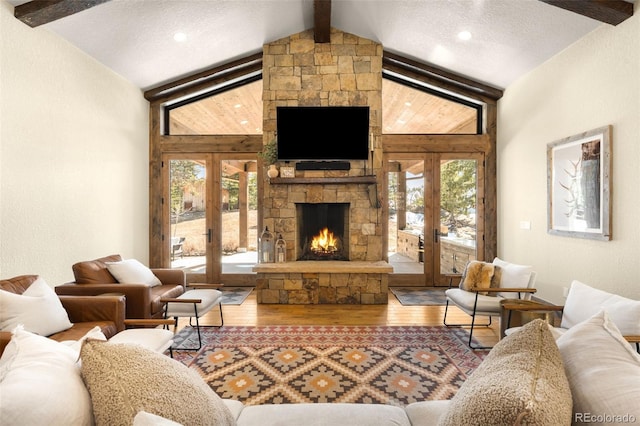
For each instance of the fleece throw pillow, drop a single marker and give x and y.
(477, 275)
(38, 309)
(125, 379)
(521, 381)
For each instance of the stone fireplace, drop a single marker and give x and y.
(299, 72)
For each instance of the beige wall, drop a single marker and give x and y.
(73, 156)
(593, 83)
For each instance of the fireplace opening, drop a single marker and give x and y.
(323, 231)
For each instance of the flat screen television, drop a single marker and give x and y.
(323, 133)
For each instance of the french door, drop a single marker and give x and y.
(210, 216)
(435, 215)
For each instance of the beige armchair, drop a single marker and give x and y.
(482, 288)
(92, 278)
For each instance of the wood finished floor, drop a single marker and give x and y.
(250, 313)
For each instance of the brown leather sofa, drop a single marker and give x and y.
(92, 278)
(85, 313)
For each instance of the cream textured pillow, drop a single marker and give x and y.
(131, 271)
(38, 309)
(40, 383)
(125, 379)
(603, 371)
(521, 381)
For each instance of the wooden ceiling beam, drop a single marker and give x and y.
(40, 12)
(322, 21)
(608, 11)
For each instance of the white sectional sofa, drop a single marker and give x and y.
(589, 375)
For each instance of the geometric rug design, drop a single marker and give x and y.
(412, 296)
(235, 295)
(382, 365)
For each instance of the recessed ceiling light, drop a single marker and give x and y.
(464, 35)
(180, 37)
(407, 104)
(243, 122)
(237, 106)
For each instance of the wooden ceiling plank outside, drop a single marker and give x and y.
(610, 12)
(40, 12)
(322, 21)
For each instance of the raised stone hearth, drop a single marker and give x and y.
(323, 282)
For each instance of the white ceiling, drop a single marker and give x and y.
(135, 37)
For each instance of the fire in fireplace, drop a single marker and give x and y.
(323, 231)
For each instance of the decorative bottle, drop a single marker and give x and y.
(281, 250)
(266, 246)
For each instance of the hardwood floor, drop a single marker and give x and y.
(250, 313)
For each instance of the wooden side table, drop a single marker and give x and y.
(517, 312)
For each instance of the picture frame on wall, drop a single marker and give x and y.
(579, 185)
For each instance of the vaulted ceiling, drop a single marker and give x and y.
(135, 38)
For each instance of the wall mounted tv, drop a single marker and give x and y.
(323, 133)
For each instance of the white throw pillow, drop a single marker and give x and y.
(583, 302)
(38, 309)
(603, 371)
(513, 276)
(41, 383)
(131, 271)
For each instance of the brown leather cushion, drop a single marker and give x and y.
(18, 284)
(95, 271)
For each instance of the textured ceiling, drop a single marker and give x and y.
(135, 37)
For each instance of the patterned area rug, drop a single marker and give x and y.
(235, 295)
(382, 365)
(412, 296)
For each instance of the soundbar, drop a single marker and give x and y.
(323, 165)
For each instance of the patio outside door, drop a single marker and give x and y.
(434, 216)
(210, 217)
(457, 232)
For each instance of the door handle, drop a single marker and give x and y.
(208, 234)
(436, 234)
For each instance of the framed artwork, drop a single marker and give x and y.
(287, 171)
(579, 185)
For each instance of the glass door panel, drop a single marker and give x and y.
(239, 216)
(406, 191)
(456, 231)
(189, 230)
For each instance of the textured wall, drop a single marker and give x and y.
(74, 156)
(592, 83)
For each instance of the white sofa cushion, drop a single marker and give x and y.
(38, 309)
(426, 413)
(40, 383)
(131, 271)
(583, 302)
(323, 414)
(514, 276)
(603, 371)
